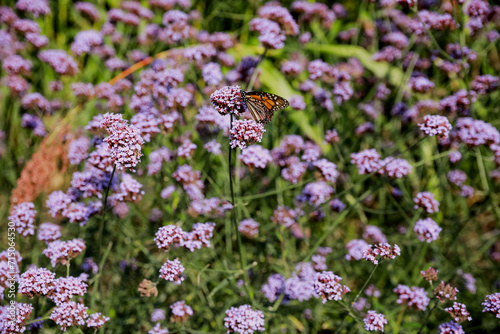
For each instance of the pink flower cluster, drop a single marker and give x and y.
(415, 297)
(382, 251)
(435, 125)
(327, 286)
(244, 320)
(171, 271)
(199, 237)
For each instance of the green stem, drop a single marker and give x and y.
(103, 215)
(436, 302)
(243, 258)
(366, 283)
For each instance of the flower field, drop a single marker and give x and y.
(188, 166)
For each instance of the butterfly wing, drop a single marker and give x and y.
(263, 105)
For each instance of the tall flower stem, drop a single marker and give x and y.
(243, 257)
(103, 215)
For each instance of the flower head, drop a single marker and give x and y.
(435, 125)
(374, 321)
(69, 314)
(180, 311)
(328, 287)
(228, 99)
(427, 230)
(171, 270)
(426, 200)
(245, 132)
(23, 216)
(415, 297)
(244, 320)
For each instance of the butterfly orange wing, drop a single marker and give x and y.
(263, 105)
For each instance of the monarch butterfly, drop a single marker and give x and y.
(263, 105)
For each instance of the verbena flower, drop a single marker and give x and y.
(383, 251)
(60, 61)
(458, 312)
(125, 141)
(427, 230)
(228, 99)
(271, 35)
(171, 271)
(67, 287)
(249, 228)
(37, 282)
(444, 292)
(49, 232)
(450, 327)
(367, 161)
(457, 177)
(63, 251)
(245, 132)
(97, 320)
(374, 321)
(356, 249)
(88, 10)
(316, 193)
(180, 311)
(492, 304)
(186, 149)
(273, 288)
(168, 235)
(23, 216)
(297, 102)
(414, 297)
(475, 132)
(430, 274)
(15, 323)
(35, 7)
(69, 314)
(212, 74)
(244, 320)
(435, 125)
(78, 150)
(426, 201)
(395, 168)
(327, 286)
(158, 315)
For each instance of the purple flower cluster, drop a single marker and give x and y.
(374, 321)
(271, 35)
(426, 200)
(327, 286)
(450, 327)
(180, 311)
(228, 99)
(459, 312)
(23, 216)
(427, 230)
(249, 228)
(245, 132)
(125, 142)
(382, 251)
(415, 297)
(244, 320)
(492, 304)
(435, 125)
(256, 156)
(63, 251)
(171, 271)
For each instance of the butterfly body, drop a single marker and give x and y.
(263, 105)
